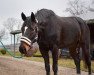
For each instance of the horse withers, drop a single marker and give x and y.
(54, 33)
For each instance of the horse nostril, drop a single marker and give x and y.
(22, 50)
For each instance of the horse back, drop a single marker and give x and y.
(70, 31)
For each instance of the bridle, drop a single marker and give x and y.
(28, 41)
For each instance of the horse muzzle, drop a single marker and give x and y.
(26, 47)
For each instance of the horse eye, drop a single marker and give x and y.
(31, 29)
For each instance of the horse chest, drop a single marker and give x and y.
(47, 39)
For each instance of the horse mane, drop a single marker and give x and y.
(44, 14)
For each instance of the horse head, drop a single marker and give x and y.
(29, 34)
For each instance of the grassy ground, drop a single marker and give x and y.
(65, 62)
(62, 62)
(7, 54)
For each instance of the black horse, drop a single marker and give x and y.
(55, 32)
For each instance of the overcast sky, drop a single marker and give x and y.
(13, 8)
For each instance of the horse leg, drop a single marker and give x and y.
(87, 58)
(75, 55)
(45, 55)
(55, 59)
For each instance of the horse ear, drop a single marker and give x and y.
(23, 16)
(32, 17)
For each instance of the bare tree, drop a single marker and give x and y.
(19, 22)
(9, 24)
(12, 24)
(2, 33)
(76, 7)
